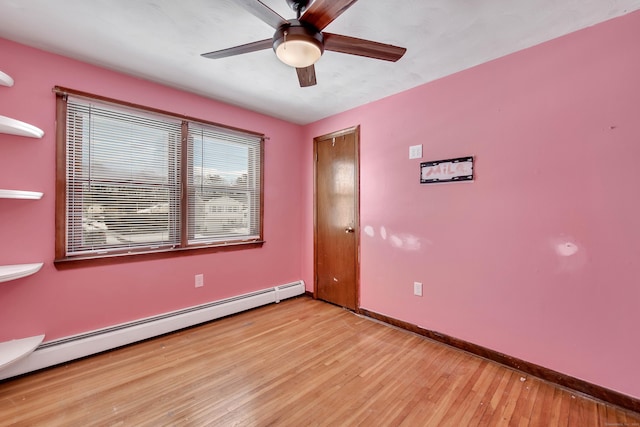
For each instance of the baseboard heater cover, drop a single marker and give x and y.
(74, 347)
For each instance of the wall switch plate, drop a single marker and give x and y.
(199, 280)
(417, 289)
(415, 152)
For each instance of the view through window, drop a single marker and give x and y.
(140, 181)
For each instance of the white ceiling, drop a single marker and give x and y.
(161, 40)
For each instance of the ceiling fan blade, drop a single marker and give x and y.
(306, 76)
(264, 12)
(322, 12)
(238, 50)
(361, 47)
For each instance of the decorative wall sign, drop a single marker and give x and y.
(460, 169)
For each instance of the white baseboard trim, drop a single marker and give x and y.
(77, 346)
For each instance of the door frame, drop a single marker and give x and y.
(356, 131)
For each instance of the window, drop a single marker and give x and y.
(224, 192)
(135, 180)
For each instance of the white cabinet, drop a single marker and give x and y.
(12, 351)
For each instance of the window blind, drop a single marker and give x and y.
(123, 179)
(223, 184)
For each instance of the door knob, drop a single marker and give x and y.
(349, 230)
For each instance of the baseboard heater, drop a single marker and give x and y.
(77, 346)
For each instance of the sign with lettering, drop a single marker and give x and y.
(460, 169)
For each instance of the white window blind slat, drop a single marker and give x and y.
(223, 185)
(123, 179)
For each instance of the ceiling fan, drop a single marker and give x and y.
(300, 42)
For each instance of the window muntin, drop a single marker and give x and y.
(125, 173)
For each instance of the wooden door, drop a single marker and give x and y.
(336, 218)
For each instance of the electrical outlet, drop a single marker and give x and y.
(199, 280)
(417, 289)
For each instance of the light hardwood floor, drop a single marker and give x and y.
(298, 363)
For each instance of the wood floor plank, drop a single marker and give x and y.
(485, 411)
(524, 405)
(412, 387)
(299, 362)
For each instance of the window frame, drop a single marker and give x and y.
(128, 254)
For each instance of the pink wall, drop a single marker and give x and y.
(538, 257)
(65, 302)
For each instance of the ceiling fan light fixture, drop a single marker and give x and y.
(299, 42)
(298, 46)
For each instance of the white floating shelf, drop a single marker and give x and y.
(16, 127)
(13, 272)
(5, 79)
(20, 194)
(12, 351)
